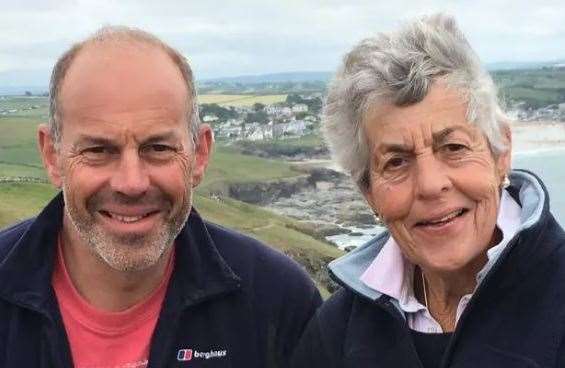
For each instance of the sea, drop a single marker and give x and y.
(548, 164)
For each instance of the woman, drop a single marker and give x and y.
(471, 272)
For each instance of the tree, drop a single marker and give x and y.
(260, 117)
(301, 115)
(293, 99)
(258, 106)
(222, 113)
(314, 105)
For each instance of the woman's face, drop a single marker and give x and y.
(434, 180)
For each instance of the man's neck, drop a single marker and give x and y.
(99, 284)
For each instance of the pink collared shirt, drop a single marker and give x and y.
(392, 274)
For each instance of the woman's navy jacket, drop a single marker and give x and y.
(515, 319)
(231, 301)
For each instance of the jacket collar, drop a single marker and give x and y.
(25, 274)
(526, 188)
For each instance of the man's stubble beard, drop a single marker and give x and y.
(124, 253)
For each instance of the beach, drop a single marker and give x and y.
(537, 136)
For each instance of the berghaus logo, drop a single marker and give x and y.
(185, 355)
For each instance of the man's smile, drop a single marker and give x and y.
(130, 221)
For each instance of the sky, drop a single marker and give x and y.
(243, 37)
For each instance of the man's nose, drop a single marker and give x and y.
(432, 177)
(131, 177)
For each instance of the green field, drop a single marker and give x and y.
(240, 100)
(20, 201)
(536, 88)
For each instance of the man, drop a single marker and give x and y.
(118, 270)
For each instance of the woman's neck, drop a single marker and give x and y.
(442, 292)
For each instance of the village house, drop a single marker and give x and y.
(300, 108)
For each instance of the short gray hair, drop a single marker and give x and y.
(399, 68)
(118, 34)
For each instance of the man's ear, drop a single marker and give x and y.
(49, 155)
(202, 153)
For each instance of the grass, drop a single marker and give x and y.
(537, 87)
(240, 100)
(265, 225)
(228, 166)
(22, 200)
(12, 170)
(308, 146)
(309, 141)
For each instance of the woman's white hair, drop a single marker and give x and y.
(399, 68)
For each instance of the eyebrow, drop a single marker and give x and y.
(168, 136)
(437, 137)
(394, 147)
(103, 141)
(87, 140)
(444, 133)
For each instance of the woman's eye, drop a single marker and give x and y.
(395, 163)
(455, 147)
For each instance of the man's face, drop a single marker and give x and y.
(126, 160)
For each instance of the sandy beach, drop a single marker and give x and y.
(537, 136)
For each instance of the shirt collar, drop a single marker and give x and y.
(392, 274)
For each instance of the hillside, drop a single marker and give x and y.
(535, 88)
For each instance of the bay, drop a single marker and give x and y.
(550, 167)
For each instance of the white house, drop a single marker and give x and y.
(300, 108)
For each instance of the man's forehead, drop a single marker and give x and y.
(114, 68)
(122, 78)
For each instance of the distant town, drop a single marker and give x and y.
(294, 117)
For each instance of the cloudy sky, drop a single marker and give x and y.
(230, 38)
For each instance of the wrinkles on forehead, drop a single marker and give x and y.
(419, 137)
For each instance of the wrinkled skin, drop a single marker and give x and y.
(126, 150)
(428, 162)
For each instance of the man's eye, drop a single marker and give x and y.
(157, 151)
(98, 150)
(160, 148)
(98, 154)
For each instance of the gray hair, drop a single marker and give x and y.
(399, 68)
(118, 34)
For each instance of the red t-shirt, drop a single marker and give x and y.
(101, 339)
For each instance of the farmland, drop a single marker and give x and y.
(240, 100)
